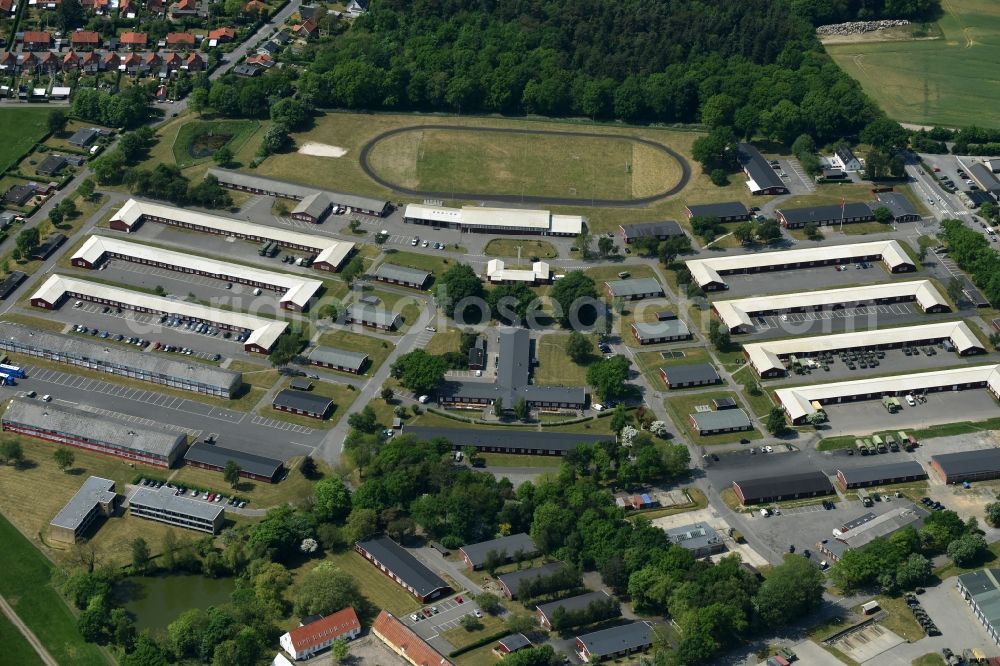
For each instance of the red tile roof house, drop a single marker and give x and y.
(180, 41)
(8, 61)
(195, 63)
(173, 61)
(152, 61)
(7, 6)
(85, 39)
(126, 9)
(305, 641)
(111, 61)
(71, 61)
(133, 40)
(307, 29)
(183, 8)
(400, 639)
(261, 60)
(222, 35)
(49, 62)
(132, 63)
(36, 41)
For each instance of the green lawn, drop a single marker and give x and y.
(929, 659)
(506, 247)
(342, 397)
(16, 646)
(444, 341)
(376, 586)
(602, 274)
(403, 304)
(195, 138)
(680, 406)
(459, 637)
(650, 362)
(20, 129)
(944, 81)
(554, 364)
(376, 348)
(434, 264)
(27, 585)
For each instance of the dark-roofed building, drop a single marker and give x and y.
(505, 549)
(762, 179)
(51, 165)
(973, 294)
(900, 207)
(513, 381)
(11, 283)
(723, 403)
(300, 384)
(977, 198)
(95, 498)
(714, 423)
(252, 466)
(373, 317)
(880, 475)
(477, 354)
(981, 589)
(300, 402)
(764, 489)
(313, 208)
(492, 441)
(48, 246)
(408, 277)
(633, 289)
(615, 642)
(512, 643)
(849, 213)
(984, 177)
(832, 174)
(19, 194)
(726, 211)
(670, 330)
(666, 315)
(578, 603)
(88, 430)
(395, 562)
(700, 539)
(338, 359)
(683, 376)
(243, 182)
(84, 137)
(510, 583)
(661, 230)
(978, 465)
(861, 531)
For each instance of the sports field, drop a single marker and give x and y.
(948, 81)
(492, 162)
(19, 130)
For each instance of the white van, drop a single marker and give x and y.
(765, 513)
(423, 399)
(598, 407)
(257, 292)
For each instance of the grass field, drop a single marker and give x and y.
(376, 348)
(505, 247)
(19, 130)
(27, 586)
(444, 160)
(650, 362)
(444, 341)
(294, 488)
(201, 136)
(680, 406)
(376, 586)
(946, 81)
(929, 659)
(555, 365)
(434, 264)
(459, 637)
(16, 648)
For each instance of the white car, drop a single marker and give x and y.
(479, 613)
(910, 400)
(597, 407)
(46, 398)
(423, 399)
(784, 317)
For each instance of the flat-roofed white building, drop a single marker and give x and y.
(96, 497)
(163, 505)
(797, 401)
(766, 358)
(495, 220)
(263, 333)
(738, 314)
(708, 272)
(330, 253)
(498, 273)
(296, 291)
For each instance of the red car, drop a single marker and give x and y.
(427, 612)
(211, 497)
(458, 600)
(937, 169)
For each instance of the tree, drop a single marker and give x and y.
(287, 347)
(11, 452)
(308, 467)
(28, 239)
(275, 140)
(608, 377)
(776, 422)
(419, 371)
(87, 188)
(882, 215)
(884, 134)
(364, 420)
(955, 289)
(331, 500)
(993, 514)
(521, 411)
(231, 473)
(146, 653)
(791, 591)
(967, 549)
(326, 589)
(812, 231)
(353, 269)
(387, 394)
(471, 623)
(583, 243)
(458, 283)
(620, 418)
(540, 655)
(339, 649)
(354, 225)
(64, 458)
(223, 156)
(573, 293)
(579, 347)
(768, 231)
(673, 246)
(69, 15)
(122, 628)
(56, 217)
(719, 177)
(719, 336)
(291, 113)
(140, 555)
(57, 121)
(744, 232)
(715, 149)
(489, 603)
(498, 408)
(913, 571)
(606, 247)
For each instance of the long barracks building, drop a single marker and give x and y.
(244, 182)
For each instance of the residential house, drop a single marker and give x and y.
(512, 643)
(180, 41)
(261, 60)
(51, 166)
(127, 9)
(49, 62)
(311, 638)
(306, 30)
(254, 7)
(172, 61)
(85, 39)
(356, 8)
(36, 41)
(246, 70)
(194, 62)
(132, 63)
(401, 566)
(183, 8)
(133, 40)
(615, 642)
(84, 137)
(71, 61)
(7, 7)
(8, 61)
(844, 159)
(505, 549)
(91, 63)
(222, 35)
(152, 62)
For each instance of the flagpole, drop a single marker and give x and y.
(842, 201)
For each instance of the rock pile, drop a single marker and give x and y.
(859, 27)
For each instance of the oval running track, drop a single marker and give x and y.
(514, 198)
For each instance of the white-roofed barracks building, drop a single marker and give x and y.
(495, 220)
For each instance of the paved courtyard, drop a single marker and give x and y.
(867, 416)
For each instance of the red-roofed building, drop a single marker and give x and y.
(306, 30)
(180, 41)
(152, 61)
(158, 7)
(195, 63)
(8, 61)
(28, 61)
(183, 8)
(133, 63)
(99, 7)
(173, 61)
(223, 35)
(260, 60)
(111, 62)
(401, 640)
(49, 62)
(85, 39)
(133, 40)
(126, 8)
(7, 6)
(305, 641)
(36, 41)
(71, 61)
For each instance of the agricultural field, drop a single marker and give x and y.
(943, 75)
(20, 129)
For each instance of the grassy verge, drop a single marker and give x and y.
(554, 364)
(929, 659)
(602, 274)
(16, 648)
(293, 489)
(758, 398)
(444, 341)
(459, 637)
(899, 619)
(378, 588)
(35, 322)
(27, 586)
(376, 348)
(681, 406)
(504, 247)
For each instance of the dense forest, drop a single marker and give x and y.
(834, 11)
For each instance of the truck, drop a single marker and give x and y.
(6, 380)
(907, 442)
(868, 445)
(860, 446)
(865, 499)
(891, 404)
(879, 444)
(13, 370)
(891, 442)
(264, 248)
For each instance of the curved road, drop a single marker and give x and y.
(514, 198)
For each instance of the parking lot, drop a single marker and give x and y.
(867, 416)
(802, 279)
(842, 320)
(449, 616)
(794, 176)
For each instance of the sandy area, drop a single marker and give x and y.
(321, 149)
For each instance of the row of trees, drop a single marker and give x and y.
(128, 108)
(972, 252)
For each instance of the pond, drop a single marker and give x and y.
(208, 143)
(156, 601)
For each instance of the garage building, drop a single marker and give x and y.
(252, 466)
(330, 254)
(408, 277)
(717, 422)
(708, 273)
(633, 289)
(684, 376)
(880, 475)
(725, 211)
(312, 208)
(760, 490)
(156, 368)
(484, 219)
(398, 564)
(738, 314)
(263, 333)
(300, 402)
(670, 330)
(979, 465)
(338, 359)
(296, 292)
(89, 430)
(243, 182)
(982, 590)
